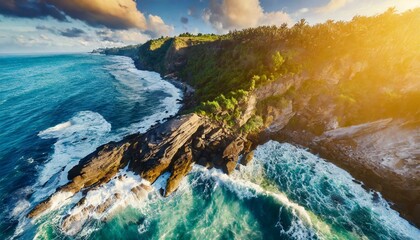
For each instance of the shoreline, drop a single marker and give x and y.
(370, 180)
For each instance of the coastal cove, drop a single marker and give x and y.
(274, 182)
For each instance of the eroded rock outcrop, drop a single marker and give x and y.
(174, 147)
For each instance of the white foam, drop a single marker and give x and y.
(161, 181)
(55, 129)
(21, 206)
(76, 138)
(142, 228)
(271, 154)
(133, 82)
(247, 189)
(121, 184)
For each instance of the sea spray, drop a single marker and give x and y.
(76, 138)
(329, 192)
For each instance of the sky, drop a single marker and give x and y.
(45, 26)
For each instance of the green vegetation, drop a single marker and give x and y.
(364, 69)
(129, 51)
(253, 125)
(157, 43)
(226, 109)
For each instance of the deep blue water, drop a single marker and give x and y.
(56, 109)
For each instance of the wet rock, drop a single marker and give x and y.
(173, 146)
(247, 158)
(151, 162)
(231, 154)
(180, 167)
(96, 168)
(199, 143)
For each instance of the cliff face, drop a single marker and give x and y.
(380, 151)
(331, 88)
(383, 153)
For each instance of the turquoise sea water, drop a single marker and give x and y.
(56, 109)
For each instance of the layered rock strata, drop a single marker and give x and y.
(174, 147)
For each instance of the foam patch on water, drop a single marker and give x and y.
(76, 138)
(21, 206)
(302, 222)
(125, 189)
(328, 191)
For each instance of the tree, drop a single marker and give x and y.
(278, 61)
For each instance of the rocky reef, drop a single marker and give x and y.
(174, 147)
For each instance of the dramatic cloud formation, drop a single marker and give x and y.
(113, 14)
(332, 5)
(226, 15)
(117, 14)
(119, 21)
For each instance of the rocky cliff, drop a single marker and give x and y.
(174, 147)
(348, 91)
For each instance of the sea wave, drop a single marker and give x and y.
(329, 192)
(82, 134)
(76, 138)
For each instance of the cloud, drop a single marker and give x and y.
(303, 10)
(184, 20)
(115, 14)
(122, 37)
(30, 9)
(332, 6)
(72, 32)
(156, 27)
(118, 14)
(111, 14)
(226, 15)
(275, 18)
(68, 32)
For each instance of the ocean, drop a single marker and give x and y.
(56, 109)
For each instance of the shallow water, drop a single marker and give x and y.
(57, 109)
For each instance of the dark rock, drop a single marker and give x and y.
(231, 154)
(172, 146)
(247, 158)
(180, 167)
(151, 162)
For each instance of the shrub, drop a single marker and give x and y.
(253, 124)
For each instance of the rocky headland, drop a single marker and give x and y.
(173, 147)
(271, 84)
